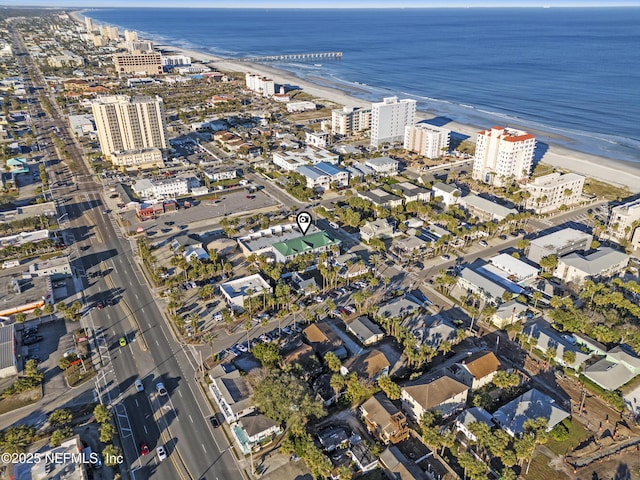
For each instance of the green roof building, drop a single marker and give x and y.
(313, 243)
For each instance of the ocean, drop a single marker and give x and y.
(570, 75)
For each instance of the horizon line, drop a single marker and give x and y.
(317, 7)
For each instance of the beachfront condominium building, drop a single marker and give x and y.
(624, 220)
(139, 46)
(426, 140)
(171, 61)
(503, 154)
(130, 36)
(88, 23)
(550, 192)
(141, 64)
(350, 120)
(389, 117)
(127, 123)
(109, 32)
(259, 84)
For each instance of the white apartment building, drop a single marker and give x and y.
(295, 107)
(259, 84)
(169, 188)
(350, 120)
(175, 60)
(129, 123)
(501, 154)
(389, 118)
(135, 159)
(88, 24)
(317, 139)
(624, 220)
(426, 140)
(549, 192)
(138, 63)
(290, 160)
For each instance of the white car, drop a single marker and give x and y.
(139, 386)
(333, 225)
(162, 453)
(482, 243)
(160, 389)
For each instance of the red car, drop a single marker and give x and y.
(144, 449)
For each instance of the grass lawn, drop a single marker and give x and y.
(605, 190)
(76, 376)
(577, 434)
(20, 400)
(540, 470)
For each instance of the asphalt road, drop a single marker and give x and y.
(177, 420)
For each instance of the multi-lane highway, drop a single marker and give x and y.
(108, 270)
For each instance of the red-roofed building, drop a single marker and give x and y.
(503, 155)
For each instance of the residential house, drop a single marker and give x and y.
(512, 269)
(383, 166)
(367, 332)
(529, 406)
(384, 420)
(619, 366)
(398, 308)
(547, 338)
(490, 288)
(323, 340)
(509, 313)
(364, 459)
(431, 330)
(380, 228)
(303, 355)
(472, 415)
(411, 192)
(380, 198)
(449, 193)
(477, 370)
(398, 467)
(253, 430)
(369, 365)
(231, 392)
(604, 263)
(444, 394)
(333, 437)
(322, 176)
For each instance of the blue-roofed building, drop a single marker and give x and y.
(321, 175)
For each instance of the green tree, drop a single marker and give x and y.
(107, 432)
(285, 398)
(110, 454)
(568, 356)
(60, 417)
(504, 379)
(549, 263)
(20, 317)
(102, 414)
(389, 387)
(59, 435)
(31, 371)
(267, 353)
(332, 362)
(17, 439)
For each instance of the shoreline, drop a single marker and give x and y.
(556, 153)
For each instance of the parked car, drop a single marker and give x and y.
(241, 347)
(160, 389)
(122, 342)
(144, 449)
(287, 330)
(30, 340)
(139, 386)
(215, 423)
(482, 243)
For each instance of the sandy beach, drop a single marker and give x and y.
(612, 171)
